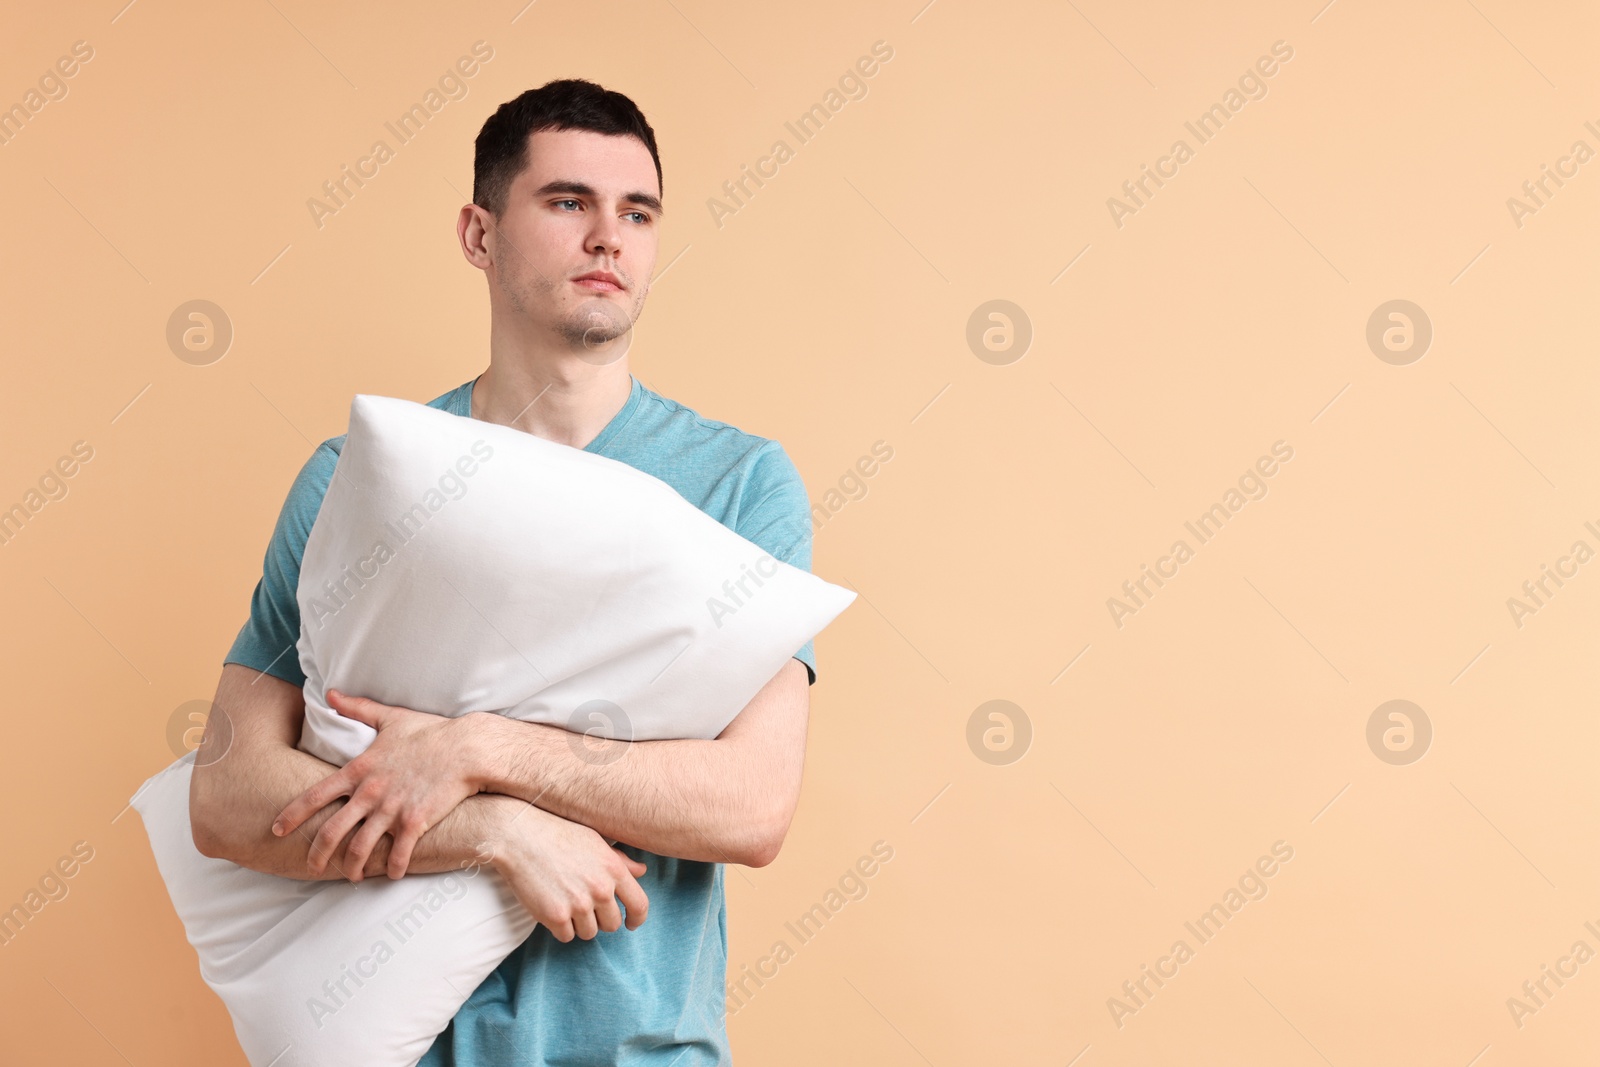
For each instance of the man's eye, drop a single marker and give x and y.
(566, 201)
(641, 216)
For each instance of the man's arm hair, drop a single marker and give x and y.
(248, 768)
(727, 800)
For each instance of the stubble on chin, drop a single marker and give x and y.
(586, 327)
(591, 326)
(599, 321)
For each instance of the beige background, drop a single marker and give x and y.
(830, 312)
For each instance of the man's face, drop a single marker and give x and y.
(586, 202)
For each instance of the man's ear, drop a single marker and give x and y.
(476, 229)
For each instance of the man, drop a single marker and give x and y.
(565, 225)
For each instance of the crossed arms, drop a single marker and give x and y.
(539, 804)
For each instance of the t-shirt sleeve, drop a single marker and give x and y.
(776, 514)
(268, 639)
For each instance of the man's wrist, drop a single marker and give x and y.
(502, 755)
(479, 744)
(501, 817)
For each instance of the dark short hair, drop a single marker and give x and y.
(566, 104)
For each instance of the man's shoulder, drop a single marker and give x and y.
(743, 480)
(699, 438)
(682, 414)
(317, 470)
(454, 400)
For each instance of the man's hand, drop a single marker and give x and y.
(565, 874)
(412, 775)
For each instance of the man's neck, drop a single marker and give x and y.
(568, 404)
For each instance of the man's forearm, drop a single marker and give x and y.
(236, 805)
(673, 798)
(727, 800)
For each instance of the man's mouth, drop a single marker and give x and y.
(599, 281)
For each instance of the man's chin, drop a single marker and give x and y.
(604, 342)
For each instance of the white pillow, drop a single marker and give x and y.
(458, 565)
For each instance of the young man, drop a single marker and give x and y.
(565, 225)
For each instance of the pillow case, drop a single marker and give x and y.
(458, 565)
(455, 566)
(329, 974)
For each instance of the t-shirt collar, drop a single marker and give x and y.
(463, 406)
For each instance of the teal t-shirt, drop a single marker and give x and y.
(654, 995)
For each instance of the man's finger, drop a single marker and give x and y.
(362, 709)
(635, 901)
(608, 915)
(635, 868)
(333, 832)
(365, 840)
(400, 855)
(311, 801)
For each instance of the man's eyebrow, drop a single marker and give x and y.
(562, 185)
